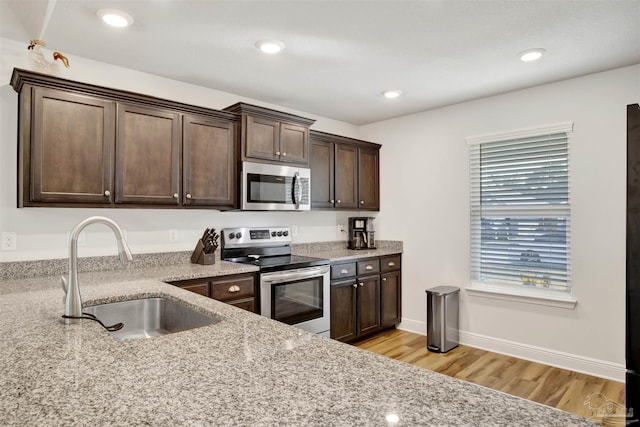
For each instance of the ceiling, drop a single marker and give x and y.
(340, 55)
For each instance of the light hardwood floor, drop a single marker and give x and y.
(560, 388)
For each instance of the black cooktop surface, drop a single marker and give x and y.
(281, 262)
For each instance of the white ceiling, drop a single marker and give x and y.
(340, 55)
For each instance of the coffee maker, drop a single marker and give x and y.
(361, 233)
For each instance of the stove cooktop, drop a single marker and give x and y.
(281, 262)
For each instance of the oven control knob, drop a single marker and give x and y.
(232, 235)
(285, 233)
(273, 234)
(279, 233)
(238, 235)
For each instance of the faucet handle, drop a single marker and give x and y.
(63, 283)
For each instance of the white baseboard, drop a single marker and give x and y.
(573, 362)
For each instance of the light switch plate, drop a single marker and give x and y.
(9, 241)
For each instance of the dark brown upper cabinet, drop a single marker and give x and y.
(209, 160)
(88, 146)
(271, 136)
(70, 147)
(345, 173)
(147, 156)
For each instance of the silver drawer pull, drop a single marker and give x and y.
(355, 285)
(344, 271)
(391, 264)
(234, 288)
(369, 267)
(361, 284)
(384, 279)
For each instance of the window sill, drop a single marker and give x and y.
(539, 296)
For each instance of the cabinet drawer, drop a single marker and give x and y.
(391, 263)
(342, 271)
(232, 289)
(245, 304)
(198, 288)
(371, 266)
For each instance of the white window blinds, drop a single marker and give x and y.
(520, 212)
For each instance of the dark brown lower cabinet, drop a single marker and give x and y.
(365, 297)
(238, 290)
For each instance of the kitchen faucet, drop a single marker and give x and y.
(72, 300)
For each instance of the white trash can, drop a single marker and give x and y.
(442, 318)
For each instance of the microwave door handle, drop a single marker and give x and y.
(297, 190)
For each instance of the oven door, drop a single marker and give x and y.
(298, 297)
(275, 187)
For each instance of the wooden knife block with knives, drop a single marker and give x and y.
(204, 253)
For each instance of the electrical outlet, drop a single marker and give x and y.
(9, 241)
(173, 236)
(294, 230)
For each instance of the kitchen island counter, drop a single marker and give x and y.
(244, 370)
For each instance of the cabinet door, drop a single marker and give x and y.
(72, 140)
(294, 144)
(147, 155)
(322, 158)
(208, 162)
(343, 310)
(261, 138)
(390, 299)
(346, 176)
(368, 304)
(368, 175)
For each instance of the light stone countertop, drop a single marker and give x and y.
(246, 370)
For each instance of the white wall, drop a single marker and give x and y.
(425, 189)
(42, 232)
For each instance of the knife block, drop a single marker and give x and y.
(199, 257)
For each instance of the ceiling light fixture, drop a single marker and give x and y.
(531, 54)
(115, 18)
(391, 93)
(270, 46)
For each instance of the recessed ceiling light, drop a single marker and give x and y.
(115, 18)
(531, 54)
(270, 46)
(392, 93)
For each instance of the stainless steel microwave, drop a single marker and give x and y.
(269, 187)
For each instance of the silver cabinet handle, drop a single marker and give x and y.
(339, 201)
(391, 264)
(369, 267)
(107, 193)
(234, 288)
(384, 279)
(176, 195)
(284, 154)
(362, 202)
(355, 285)
(361, 284)
(277, 153)
(188, 196)
(344, 271)
(331, 201)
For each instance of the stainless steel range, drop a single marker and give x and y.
(293, 289)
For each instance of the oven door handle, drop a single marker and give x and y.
(297, 190)
(282, 277)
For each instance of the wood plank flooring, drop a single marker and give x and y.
(585, 395)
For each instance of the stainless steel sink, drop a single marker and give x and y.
(149, 317)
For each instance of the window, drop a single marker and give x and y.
(520, 211)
